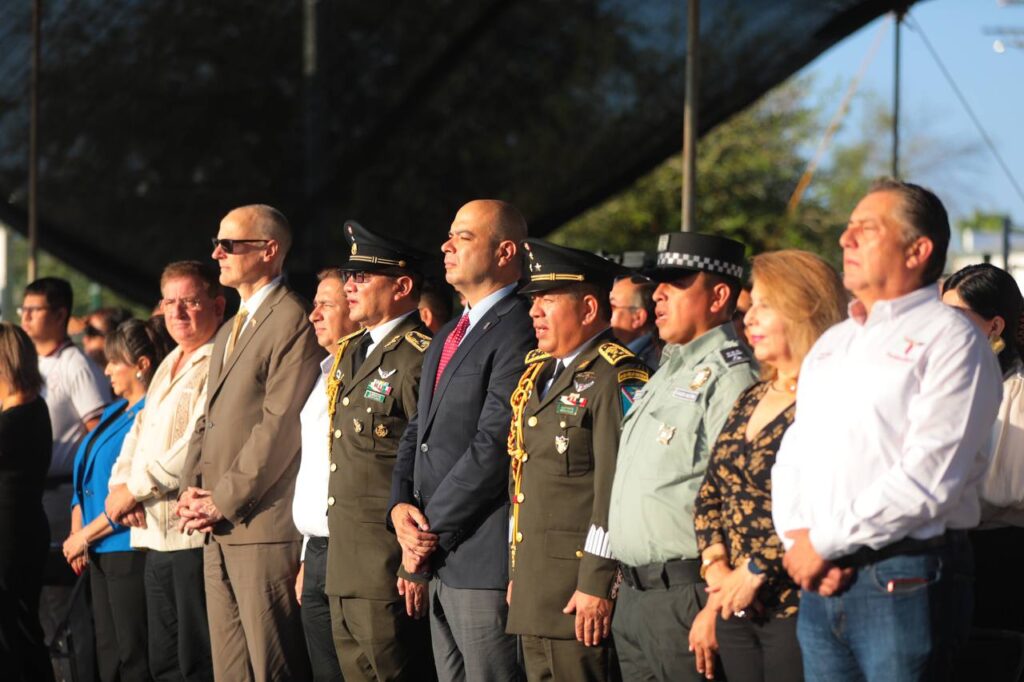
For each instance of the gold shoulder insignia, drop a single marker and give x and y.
(418, 341)
(536, 355)
(613, 353)
(351, 336)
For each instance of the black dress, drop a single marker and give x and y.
(25, 448)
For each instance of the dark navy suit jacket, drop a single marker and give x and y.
(453, 460)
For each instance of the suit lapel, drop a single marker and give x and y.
(568, 375)
(486, 323)
(252, 327)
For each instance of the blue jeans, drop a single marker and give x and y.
(901, 620)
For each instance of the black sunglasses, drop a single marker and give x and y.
(229, 244)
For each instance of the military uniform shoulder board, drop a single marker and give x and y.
(351, 336)
(418, 341)
(614, 353)
(536, 355)
(735, 355)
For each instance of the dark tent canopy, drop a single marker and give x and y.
(159, 116)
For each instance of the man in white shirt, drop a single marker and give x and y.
(76, 392)
(147, 476)
(330, 323)
(878, 477)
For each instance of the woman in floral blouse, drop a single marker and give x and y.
(796, 296)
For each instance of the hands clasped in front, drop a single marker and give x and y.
(412, 530)
(809, 570)
(196, 511)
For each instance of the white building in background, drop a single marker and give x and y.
(987, 247)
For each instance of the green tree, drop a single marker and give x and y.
(746, 171)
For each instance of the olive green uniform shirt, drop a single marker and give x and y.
(666, 441)
(373, 405)
(560, 510)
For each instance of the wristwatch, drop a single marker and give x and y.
(705, 564)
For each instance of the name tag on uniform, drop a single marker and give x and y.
(683, 394)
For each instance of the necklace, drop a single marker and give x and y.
(789, 386)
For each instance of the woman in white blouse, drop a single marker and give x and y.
(992, 300)
(144, 483)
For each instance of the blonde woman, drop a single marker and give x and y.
(795, 297)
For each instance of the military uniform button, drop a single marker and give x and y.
(579, 553)
(520, 497)
(526, 456)
(532, 421)
(330, 500)
(344, 401)
(519, 536)
(337, 433)
(369, 409)
(424, 447)
(561, 424)
(334, 467)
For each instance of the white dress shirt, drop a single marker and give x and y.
(309, 506)
(155, 448)
(893, 414)
(383, 331)
(486, 303)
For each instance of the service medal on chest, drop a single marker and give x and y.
(561, 444)
(583, 381)
(357, 425)
(380, 431)
(385, 373)
(666, 433)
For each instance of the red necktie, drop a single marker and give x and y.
(451, 344)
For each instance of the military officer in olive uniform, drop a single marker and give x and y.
(663, 454)
(566, 415)
(372, 392)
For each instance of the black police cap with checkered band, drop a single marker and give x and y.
(371, 252)
(552, 266)
(681, 253)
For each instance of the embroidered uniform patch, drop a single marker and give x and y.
(735, 355)
(628, 393)
(683, 394)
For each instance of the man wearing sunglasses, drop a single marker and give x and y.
(244, 455)
(372, 390)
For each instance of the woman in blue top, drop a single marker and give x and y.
(133, 350)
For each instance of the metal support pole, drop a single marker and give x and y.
(896, 94)
(33, 147)
(690, 114)
(1007, 229)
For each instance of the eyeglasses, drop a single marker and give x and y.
(357, 276)
(29, 310)
(229, 244)
(194, 303)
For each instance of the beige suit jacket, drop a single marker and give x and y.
(245, 448)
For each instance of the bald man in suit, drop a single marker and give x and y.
(244, 456)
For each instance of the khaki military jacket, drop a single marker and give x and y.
(561, 490)
(372, 406)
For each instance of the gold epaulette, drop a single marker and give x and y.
(536, 355)
(418, 341)
(613, 353)
(345, 339)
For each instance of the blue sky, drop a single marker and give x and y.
(993, 83)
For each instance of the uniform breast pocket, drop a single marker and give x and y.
(575, 443)
(673, 431)
(386, 424)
